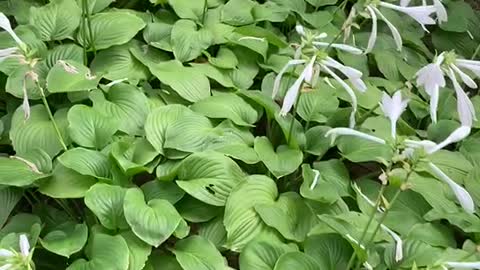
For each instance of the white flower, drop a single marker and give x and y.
(300, 30)
(404, 3)
(456, 136)
(5, 25)
(335, 132)
(431, 77)
(365, 197)
(6, 253)
(315, 179)
(462, 195)
(392, 108)
(24, 245)
(398, 243)
(426, 145)
(396, 35)
(278, 79)
(343, 47)
(472, 65)
(8, 52)
(421, 14)
(373, 35)
(440, 10)
(463, 265)
(465, 108)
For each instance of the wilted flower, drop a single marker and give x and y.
(392, 108)
(462, 195)
(421, 14)
(398, 243)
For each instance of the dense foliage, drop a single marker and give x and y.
(239, 134)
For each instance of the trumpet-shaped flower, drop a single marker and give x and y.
(24, 246)
(462, 265)
(398, 243)
(278, 79)
(440, 10)
(461, 194)
(421, 14)
(335, 132)
(392, 108)
(5, 25)
(431, 77)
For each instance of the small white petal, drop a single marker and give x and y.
(251, 38)
(7, 52)
(354, 75)
(396, 35)
(309, 71)
(462, 195)
(465, 78)
(321, 36)
(434, 97)
(421, 14)
(6, 253)
(373, 35)
(300, 30)
(114, 82)
(5, 24)
(343, 47)
(278, 78)
(398, 243)
(442, 15)
(456, 136)
(393, 107)
(404, 3)
(465, 108)
(349, 91)
(425, 144)
(335, 132)
(24, 245)
(25, 104)
(463, 265)
(473, 68)
(315, 179)
(292, 95)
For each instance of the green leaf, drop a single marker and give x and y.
(18, 79)
(386, 62)
(322, 190)
(241, 221)
(104, 252)
(126, 104)
(66, 239)
(360, 150)
(53, 23)
(228, 106)
(460, 24)
(139, 251)
(238, 12)
(214, 231)
(66, 183)
(260, 32)
(294, 5)
(9, 198)
(318, 19)
(433, 234)
(188, 42)
(159, 260)
(187, 9)
(330, 251)
(219, 75)
(153, 222)
(317, 143)
(196, 211)
(38, 131)
(270, 11)
(296, 260)
(87, 162)
(190, 85)
(106, 202)
(135, 156)
(89, 128)
(168, 191)
(197, 253)
(70, 76)
(316, 104)
(262, 255)
(416, 252)
(258, 45)
(282, 162)
(209, 177)
(319, 3)
(109, 29)
(64, 52)
(118, 63)
(225, 58)
(15, 172)
(158, 35)
(290, 215)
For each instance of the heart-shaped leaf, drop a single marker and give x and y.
(209, 177)
(38, 131)
(66, 183)
(9, 198)
(106, 202)
(282, 162)
(53, 23)
(64, 52)
(296, 260)
(188, 42)
(330, 251)
(196, 252)
(109, 29)
(228, 106)
(263, 255)
(134, 155)
(87, 162)
(70, 76)
(126, 104)
(186, 9)
(153, 222)
(104, 252)
(66, 239)
(18, 172)
(139, 251)
(89, 128)
(316, 104)
(290, 215)
(241, 221)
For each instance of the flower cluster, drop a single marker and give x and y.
(10, 259)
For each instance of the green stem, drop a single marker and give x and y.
(50, 115)
(89, 23)
(367, 114)
(66, 208)
(290, 130)
(477, 50)
(365, 230)
(205, 6)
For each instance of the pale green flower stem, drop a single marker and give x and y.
(477, 50)
(50, 115)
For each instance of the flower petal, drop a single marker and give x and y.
(465, 78)
(404, 3)
(278, 78)
(373, 35)
(462, 195)
(421, 14)
(7, 266)
(24, 245)
(465, 108)
(398, 243)
(335, 132)
(5, 24)
(463, 265)
(456, 136)
(315, 179)
(396, 35)
(6, 253)
(442, 15)
(292, 95)
(343, 47)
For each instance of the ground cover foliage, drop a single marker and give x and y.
(239, 134)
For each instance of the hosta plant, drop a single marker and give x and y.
(239, 134)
